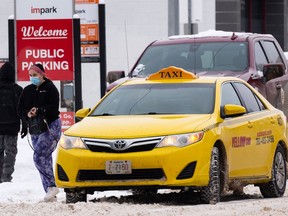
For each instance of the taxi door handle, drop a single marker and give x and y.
(250, 125)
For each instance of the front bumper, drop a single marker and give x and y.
(167, 167)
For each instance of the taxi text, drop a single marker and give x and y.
(241, 141)
(172, 74)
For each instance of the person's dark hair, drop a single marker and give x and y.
(40, 66)
(7, 72)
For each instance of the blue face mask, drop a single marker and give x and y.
(35, 80)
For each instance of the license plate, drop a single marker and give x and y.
(118, 167)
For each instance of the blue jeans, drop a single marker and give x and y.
(44, 145)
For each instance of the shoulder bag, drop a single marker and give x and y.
(37, 125)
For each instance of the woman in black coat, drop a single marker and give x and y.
(41, 98)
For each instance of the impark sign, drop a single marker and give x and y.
(44, 34)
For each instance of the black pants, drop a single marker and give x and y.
(8, 152)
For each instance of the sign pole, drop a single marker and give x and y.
(102, 47)
(77, 64)
(11, 40)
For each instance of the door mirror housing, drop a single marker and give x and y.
(82, 113)
(232, 110)
(114, 75)
(272, 71)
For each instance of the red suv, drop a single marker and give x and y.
(255, 58)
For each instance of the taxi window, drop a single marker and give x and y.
(158, 99)
(229, 95)
(250, 99)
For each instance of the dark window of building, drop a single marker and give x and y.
(253, 16)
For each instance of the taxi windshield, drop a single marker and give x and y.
(196, 57)
(154, 99)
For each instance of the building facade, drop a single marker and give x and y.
(265, 16)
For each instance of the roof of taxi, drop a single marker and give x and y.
(177, 75)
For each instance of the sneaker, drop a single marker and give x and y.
(54, 199)
(51, 193)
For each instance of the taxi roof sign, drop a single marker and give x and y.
(172, 73)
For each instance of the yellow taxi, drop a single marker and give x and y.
(204, 135)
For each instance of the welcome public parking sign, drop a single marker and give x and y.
(44, 34)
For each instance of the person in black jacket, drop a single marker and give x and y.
(9, 121)
(42, 98)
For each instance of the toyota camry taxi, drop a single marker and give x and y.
(179, 131)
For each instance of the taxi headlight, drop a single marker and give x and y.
(181, 140)
(68, 142)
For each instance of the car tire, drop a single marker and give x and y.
(211, 193)
(76, 196)
(276, 187)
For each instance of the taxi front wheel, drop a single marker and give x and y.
(211, 193)
(277, 185)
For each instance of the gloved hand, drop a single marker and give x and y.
(24, 132)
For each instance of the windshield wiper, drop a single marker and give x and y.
(154, 113)
(104, 114)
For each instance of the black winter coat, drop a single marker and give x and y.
(45, 98)
(7, 78)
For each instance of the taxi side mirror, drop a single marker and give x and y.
(232, 110)
(82, 113)
(114, 75)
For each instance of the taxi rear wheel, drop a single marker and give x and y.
(276, 187)
(75, 196)
(211, 193)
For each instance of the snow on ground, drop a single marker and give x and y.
(23, 196)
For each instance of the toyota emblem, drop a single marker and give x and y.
(120, 144)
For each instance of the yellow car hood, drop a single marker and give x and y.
(110, 127)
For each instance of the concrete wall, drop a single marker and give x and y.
(202, 14)
(130, 26)
(6, 9)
